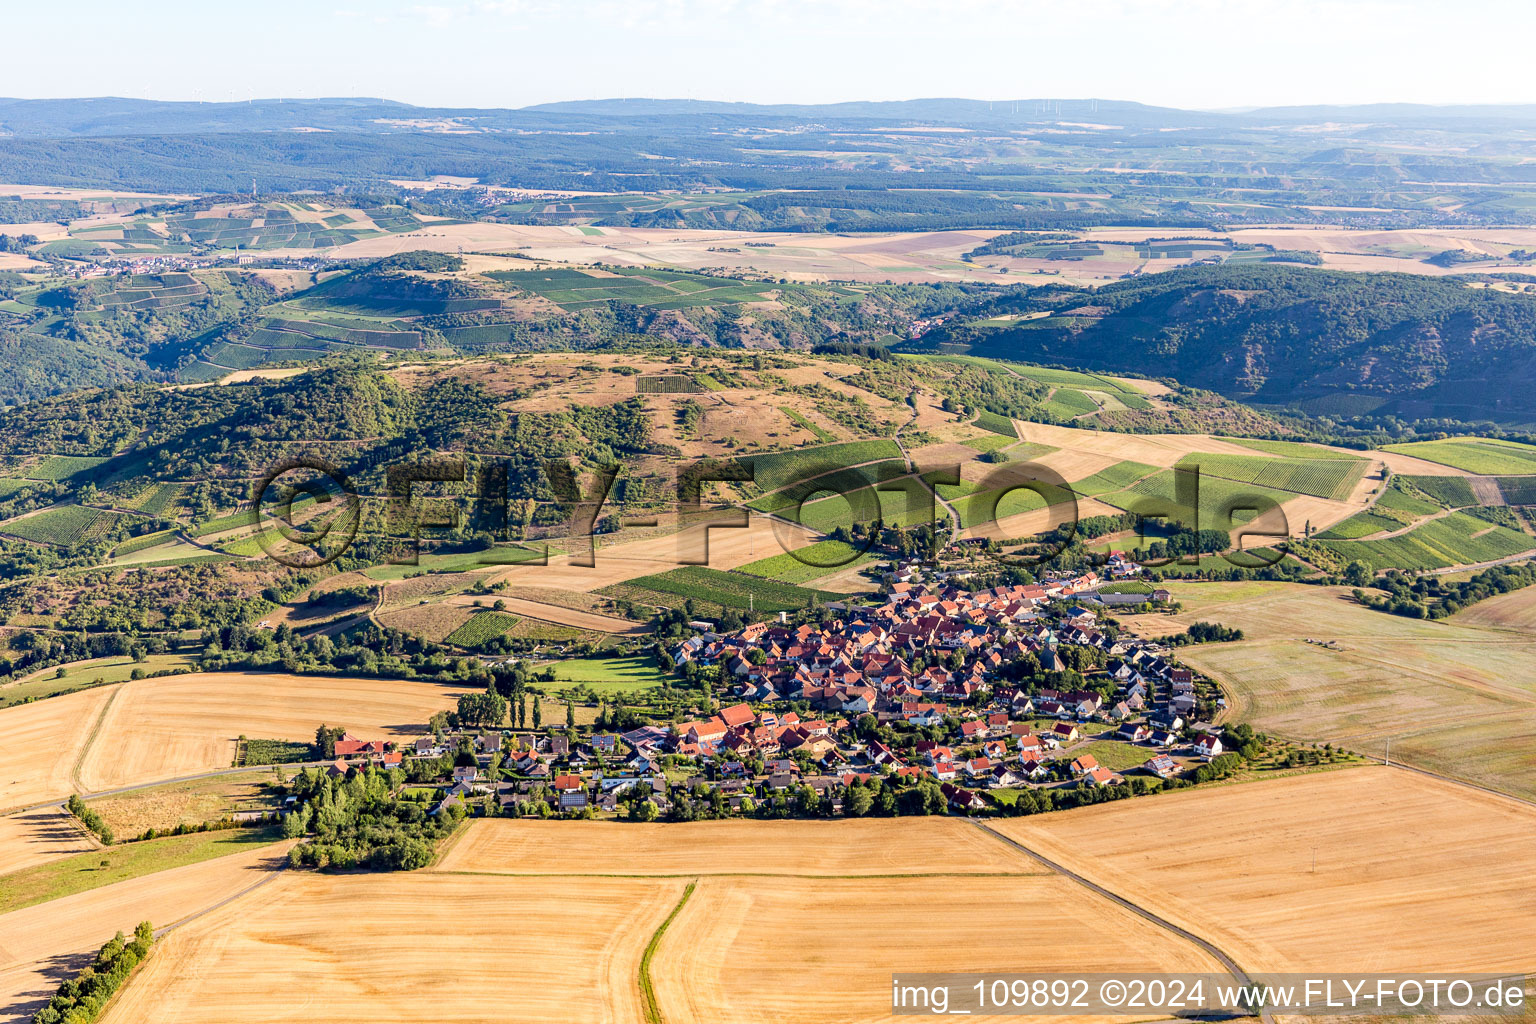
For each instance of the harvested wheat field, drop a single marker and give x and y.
(33, 837)
(408, 947)
(172, 726)
(856, 846)
(1515, 612)
(572, 617)
(42, 742)
(1153, 449)
(42, 944)
(1412, 873)
(821, 950)
(727, 548)
(1316, 666)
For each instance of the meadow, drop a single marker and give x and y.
(608, 676)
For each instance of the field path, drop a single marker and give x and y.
(555, 614)
(1226, 961)
(90, 738)
(1486, 490)
(954, 517)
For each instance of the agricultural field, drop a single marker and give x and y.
(38, 939)
(573, 289)
(481, 629)
(66, 526)
(1158, 494)
(1324, 478)
(37, 837)
(179, 725)
(1315, 666)
(1290, 449)
(1518, 490)
(63, 467)
(111, 670)
(772, 470)
(1069, 403)
(749, 927)
(856, 846)
(239, 963)
(632, 946)
(809, 563)
(1114, 478)
(1000, 425)
(1514, 611)
(730, 589)
(92, 869)
(1385, 877)
(1449, 491)
(1456, 539)
(1479, 455)
(43, 742)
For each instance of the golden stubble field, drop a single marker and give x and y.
(783, 904)
(807, 951)
(445, 948)
(1412, 873)
(858, 846)
(42, 944)
(1314, 666)
(37, 836)
(42, 743)
(172, 726)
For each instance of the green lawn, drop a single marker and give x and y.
(612, 675)
(1117, 755)
(84, 871)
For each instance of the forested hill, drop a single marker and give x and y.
(1335, 343)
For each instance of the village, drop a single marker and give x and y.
(980, 696)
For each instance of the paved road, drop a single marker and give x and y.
(1226, 961)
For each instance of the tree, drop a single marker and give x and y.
(477, 709)
(570, 715)
(1358, 574)
(538, 712)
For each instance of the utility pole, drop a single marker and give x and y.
(1389, 752)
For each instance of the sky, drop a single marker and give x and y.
(1201, 54)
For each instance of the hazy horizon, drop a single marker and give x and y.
(1195, 55)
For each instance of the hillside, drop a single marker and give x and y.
(1328, 343)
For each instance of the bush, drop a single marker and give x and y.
(90, 819)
